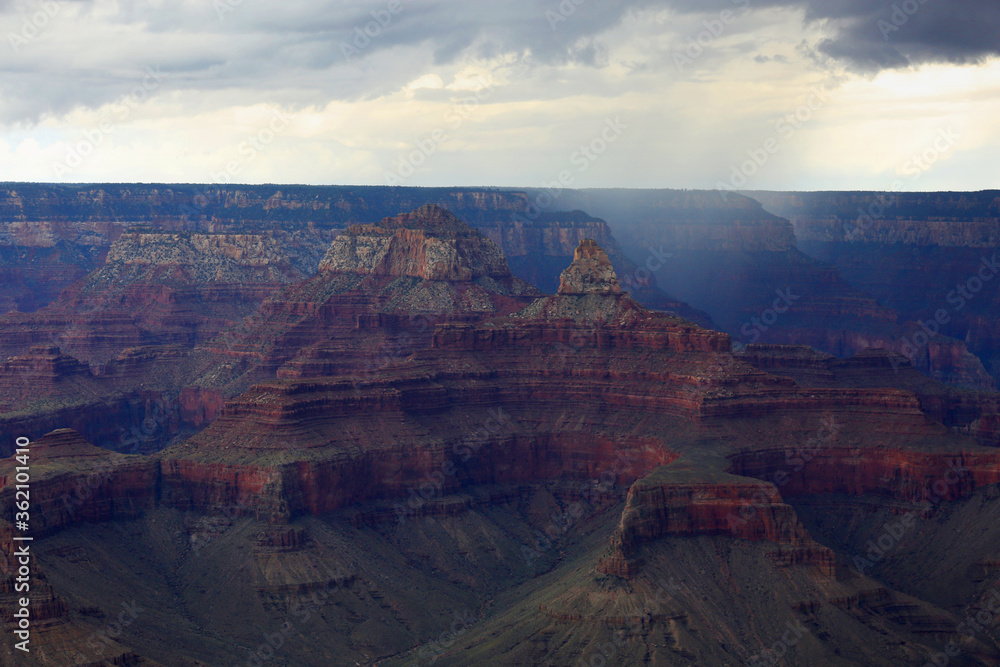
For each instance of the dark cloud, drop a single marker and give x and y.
(311, 52)
(871, 35)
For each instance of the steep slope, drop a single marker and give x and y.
(579, 477)
(597, 388)
(89, 218)
(378, 291)
(932, 257)
(71, 481)
(723, 253)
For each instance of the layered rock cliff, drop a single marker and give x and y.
(932, 257)
(91, 218)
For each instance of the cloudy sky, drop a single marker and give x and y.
(756, 94)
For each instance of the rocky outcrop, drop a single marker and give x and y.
(429, 243)
(517, 437)
(610, 355)
(590, 273)
(74, 481)
(686, 220)
(724, 254)
(943, 219)
(380, 290)
(676, 501)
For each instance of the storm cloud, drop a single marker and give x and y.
(358, 73)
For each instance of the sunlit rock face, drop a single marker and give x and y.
(590, 273)
(429, 243)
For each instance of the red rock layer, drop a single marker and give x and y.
(656, 334)
(970, 412)
(663, 506)
(900, 474)
(73, 481)
(319, 487)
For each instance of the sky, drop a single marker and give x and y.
(738, 94)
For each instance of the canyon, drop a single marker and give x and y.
(371, 437)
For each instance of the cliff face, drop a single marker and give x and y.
(128, 331)
(684, 220)
(380, 290)
(580, 436)
(915, 478)
(724, 254)
(554, 348)
(73, 481)
(90, 219)
(674, 502)
(946, 219)
(922, 254)
(429, 243)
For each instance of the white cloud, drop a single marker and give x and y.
(547, 94)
